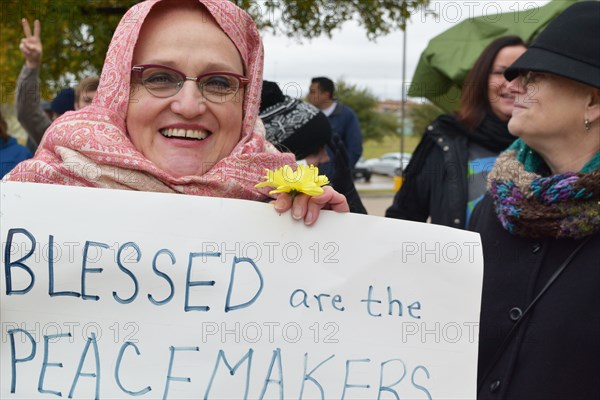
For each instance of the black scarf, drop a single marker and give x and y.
(492, 134)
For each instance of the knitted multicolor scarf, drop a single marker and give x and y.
(557, 206)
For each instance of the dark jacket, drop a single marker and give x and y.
(11, 153)
(556, 351)
(435, 181)
(345, 123)
(342, 179)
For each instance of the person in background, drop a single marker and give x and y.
(34, 119)
(539, 334)
(343, 120)
(152, 127)
(61, 103)
(86, 91)
(446, 176)
(11, 153)
(298, 127)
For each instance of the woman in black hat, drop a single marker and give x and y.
(447, 173)
(540, 223)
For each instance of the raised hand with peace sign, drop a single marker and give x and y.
(31, 44)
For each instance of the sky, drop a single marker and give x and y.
(376, 65)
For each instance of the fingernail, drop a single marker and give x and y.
(297, 213)
(309, 218)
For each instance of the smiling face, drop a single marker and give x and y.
(549, 116)
(501, 100)
(547, 108)
(184, 134)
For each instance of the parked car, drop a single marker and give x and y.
(361, 171)
(388, 164)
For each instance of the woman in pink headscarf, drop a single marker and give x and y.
(149, 129)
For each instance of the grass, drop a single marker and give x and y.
(373, 149)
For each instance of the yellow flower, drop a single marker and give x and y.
(305, 179)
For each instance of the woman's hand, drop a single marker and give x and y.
(308, 207)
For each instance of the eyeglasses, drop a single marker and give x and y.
(162, 81)
(530, 77)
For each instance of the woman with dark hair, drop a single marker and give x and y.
(11, 153)
(447, 173)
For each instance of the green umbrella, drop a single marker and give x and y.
(449, 56)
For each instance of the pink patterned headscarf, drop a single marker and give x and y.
(91, 147)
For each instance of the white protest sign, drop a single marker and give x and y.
(112, 294)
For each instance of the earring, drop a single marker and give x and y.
(587, 124)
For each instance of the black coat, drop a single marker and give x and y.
(435, 181)
(341, 179)
(556, 351)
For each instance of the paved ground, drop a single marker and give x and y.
(377, 195)
(376, 205)
(377, 182)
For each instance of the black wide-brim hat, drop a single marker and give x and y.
(568, 47)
